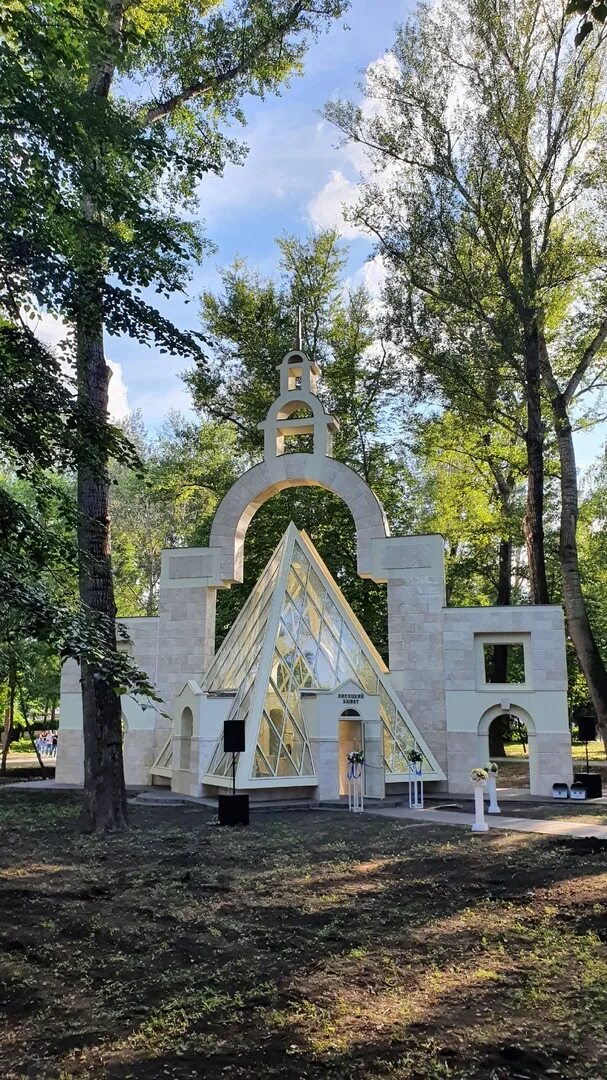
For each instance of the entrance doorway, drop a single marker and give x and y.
(509, 748)
(351, 738)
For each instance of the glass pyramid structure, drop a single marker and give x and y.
(297, 632)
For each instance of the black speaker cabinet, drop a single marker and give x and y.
(592, 782)
(587, 728)
(233, 736)
(233, 809)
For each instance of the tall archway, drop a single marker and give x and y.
(238, 507)
(517, 711)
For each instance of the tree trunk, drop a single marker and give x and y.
(104, 803)
(9, 721)
(578, 623)
(499, 663)
(496, 738)
(504, 584)
(533, 524)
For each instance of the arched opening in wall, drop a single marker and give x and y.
(509, 748)
(185, 739)
(330, 525)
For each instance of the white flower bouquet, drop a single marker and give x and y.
(478, 775)
(356, 757)
(491, 767)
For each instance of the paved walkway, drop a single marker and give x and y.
(579, 827)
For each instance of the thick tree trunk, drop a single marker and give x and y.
(578, 623)
(496, 738)
(504, 583)
(104, 803)
(533, 524)
(500, 652)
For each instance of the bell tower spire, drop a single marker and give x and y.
(298, 394)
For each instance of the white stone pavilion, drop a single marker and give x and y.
(300, 670)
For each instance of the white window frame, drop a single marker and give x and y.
(480, 640)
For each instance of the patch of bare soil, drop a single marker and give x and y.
(312, 945)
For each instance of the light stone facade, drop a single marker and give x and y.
(436, 653)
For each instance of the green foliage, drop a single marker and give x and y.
(96, 176)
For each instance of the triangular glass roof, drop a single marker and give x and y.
(298, 632)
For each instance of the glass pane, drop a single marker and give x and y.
(366, 674)
(324, 673)
(285, 645)
(329, 646)
(307, 768)
(315, 588)
(312, 615)
(344, 671)
(269, 741)
(351, 647)
(294, 585)
(300, 563)
(387, 706)
(290, 617)
(294, 743)
(261, 767)
(280, 673)
(307, 644)
(285, 765)
(302, 676)
(332, 617)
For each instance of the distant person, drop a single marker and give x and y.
(54, 744)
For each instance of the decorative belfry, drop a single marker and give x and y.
(298, 392)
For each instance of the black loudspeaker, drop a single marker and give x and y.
(591, 782)
(586, 728)
(233, 809)
(233, 736)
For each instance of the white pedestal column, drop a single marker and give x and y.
(416, 787)
(479, 824)
(493, 807)
(355, 789)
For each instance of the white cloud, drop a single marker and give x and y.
(326, 209)
(118, 401)
(373, 276)
(52, 331)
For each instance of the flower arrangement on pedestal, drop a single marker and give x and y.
(479, 777)
(492, 771)
(356, 757)
(414, 758)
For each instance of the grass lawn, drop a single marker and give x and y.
(310, 945)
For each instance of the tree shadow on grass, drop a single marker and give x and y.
(293, 949)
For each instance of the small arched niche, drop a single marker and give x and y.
(186, 729)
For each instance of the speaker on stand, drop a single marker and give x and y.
(233, 809)
(592, 782)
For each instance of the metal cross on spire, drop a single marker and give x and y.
(298, 332)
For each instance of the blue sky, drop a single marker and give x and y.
(295, 178)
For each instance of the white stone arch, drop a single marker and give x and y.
(526, 718)
(260, 483)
